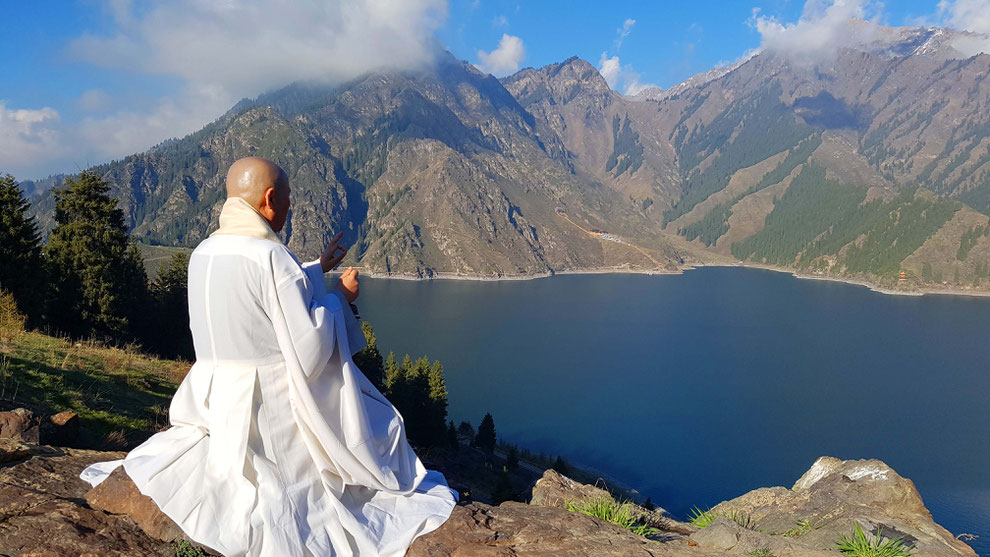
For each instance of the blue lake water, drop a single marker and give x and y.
(696, 388)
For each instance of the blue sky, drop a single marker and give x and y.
(90, 80)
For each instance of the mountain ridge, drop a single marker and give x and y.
(452, 172)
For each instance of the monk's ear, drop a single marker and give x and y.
(266, 198)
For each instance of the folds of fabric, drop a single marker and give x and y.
(286, 449)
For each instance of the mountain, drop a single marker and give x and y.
(867, 162)
(861, 162)
(427, 172)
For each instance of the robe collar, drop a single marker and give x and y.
(239, 218)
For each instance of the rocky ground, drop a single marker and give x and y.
(46, 510)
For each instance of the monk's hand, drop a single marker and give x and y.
(333, 254)
(348, 284)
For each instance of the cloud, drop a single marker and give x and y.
(93, 99)
(824, 27)
(500, 21)
(623, 32)
(618, 76)
(505, 59)
(27, 135)
(216, 52)
(968, 15)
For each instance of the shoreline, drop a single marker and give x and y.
(626, 271)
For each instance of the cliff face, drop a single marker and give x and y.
(48, 510)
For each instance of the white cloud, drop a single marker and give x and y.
(968, 15)
(500, 21)
(27, 135)
(92, 100)
(621, 77)
(218, 52)
(505, 59)
(824, 27)
(623, 32)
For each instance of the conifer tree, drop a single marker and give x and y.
(452, 441)
(485, 438)
(393, 373)
(98, 280)
(21, 270)
(170, 335)
(512, 458)
(369, 359)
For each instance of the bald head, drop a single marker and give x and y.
(264, 185)
(248, 178)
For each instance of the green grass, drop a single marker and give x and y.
(702, 518)
(801, 527)
(120, 395)
(761, 552)
(186, 549)
(610, 510)
(858, 545)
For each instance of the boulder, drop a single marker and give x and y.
(834, 495)
(62, 429)
(518, 529)
(20, 423)
(42, 510)
(117, 494)
(554, 489)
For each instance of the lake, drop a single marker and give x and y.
(697, 388)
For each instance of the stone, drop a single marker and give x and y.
(43, 512)
(554, 489)
(117, 494)
(62, 429)
(834, 495)
(20, 423)
(518, 529)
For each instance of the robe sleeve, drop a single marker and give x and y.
(308, 319)
(355, 336)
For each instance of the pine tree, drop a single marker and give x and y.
(170, 335)
(452, 441)
(503, 490)
(369, 359)
(393, 374)
(21, 269)
(485, 439)
(512, 458)
(467, 430)
(99, 285)
(560, 465)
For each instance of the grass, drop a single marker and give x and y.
(610, 510)
(702, 518)
(120, 395)
(761, 552)
(186, 549)
(801, 527)
(858, 545)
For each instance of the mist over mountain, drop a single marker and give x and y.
(862, 161)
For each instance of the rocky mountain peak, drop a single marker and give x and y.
(559, 83)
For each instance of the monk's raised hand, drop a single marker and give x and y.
(348, 284)
(333, 254)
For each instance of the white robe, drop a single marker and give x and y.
(279, 445)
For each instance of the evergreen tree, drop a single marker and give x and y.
(503, 490)
(169, 335)
(512, 458)
(99, 285)
(466, 429)
(369, 359)
(485, 439)
(452, 441)
(560, 465)
(21, 270)
(393, 373)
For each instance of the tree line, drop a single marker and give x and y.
(88, 279)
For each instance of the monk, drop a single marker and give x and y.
(278, 445)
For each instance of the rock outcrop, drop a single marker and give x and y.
(45, 509)
(834, 495)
